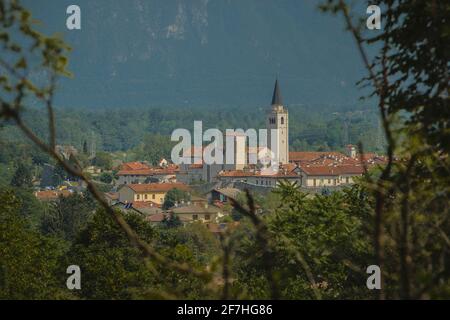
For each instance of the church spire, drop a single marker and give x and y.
(276, 98)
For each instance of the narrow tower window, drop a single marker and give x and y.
(282, 120)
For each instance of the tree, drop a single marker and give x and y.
(172, 221)
(112, 267)
(29, 262)
(103, 160)
(106, 177)
(154, 147)
(85, 147)
(67, 216)
(22, 177)
(312, 238)
(27, 51)
(175, 196)
(409, 78)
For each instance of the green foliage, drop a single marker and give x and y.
(66, 217)
(22, 177)
(111, 265)
(103, 160)
(106, 177)
(153, 148)
(146, 137)
(85, 147)
(172, 221)
(324, 231)
(29, 262)
(175, 196)
(320, 245)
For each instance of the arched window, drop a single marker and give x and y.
(282, 120)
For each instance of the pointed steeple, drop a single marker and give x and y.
(276, 98)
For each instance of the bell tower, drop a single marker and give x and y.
(277, 118)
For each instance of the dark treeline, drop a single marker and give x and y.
(120, 129)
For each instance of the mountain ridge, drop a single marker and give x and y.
(203, 52)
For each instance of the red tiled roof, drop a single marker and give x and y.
(156, 187)
(145, 204)
(158, 217)
(311, 155)
(332, 170)
(52, 194)
(134, 166)
(171, 169)
(196, 166)
(285, 170)
(237, 173)
(112, 195)
(351, 169)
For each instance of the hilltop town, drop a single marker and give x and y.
(169, 167)
(200, 191)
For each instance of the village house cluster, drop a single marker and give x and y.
(142, 188)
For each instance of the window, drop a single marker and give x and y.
(153, 196)
(146, 197)
(282, 120)
(329, 181)
(138, 196)
(346, 180)
(195, 217)
(207, 217)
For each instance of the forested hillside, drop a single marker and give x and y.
(311, 127)
(202, 52)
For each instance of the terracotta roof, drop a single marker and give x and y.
(229, 192)
(332, 170)
(156, 187)
(237, 173)
(145, 204)
(171, 169)
(52, 194)
(218, 204)
(351, 169)
(134, 166)
(196, 166)
(158, 217)
(112, 195)
(312, 155)
(320, 170)
(286, 171)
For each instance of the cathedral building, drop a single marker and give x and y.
(310, 170)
